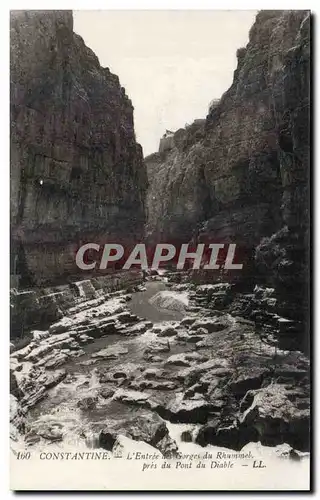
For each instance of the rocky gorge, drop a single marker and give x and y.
(242, 174)
(77, 172)
(102, 372)
(222, 360)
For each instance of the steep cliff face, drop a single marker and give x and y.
(77, 173)
(244, 175)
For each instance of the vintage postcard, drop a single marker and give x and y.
(160, 228)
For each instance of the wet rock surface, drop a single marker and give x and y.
(230, 380)
(44, 308)
(97, 366)
(147, 427)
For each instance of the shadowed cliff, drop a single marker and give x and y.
(243, 175)
(77, 173)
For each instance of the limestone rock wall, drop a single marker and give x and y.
(255, 145)
(77, 173)
(244, 176)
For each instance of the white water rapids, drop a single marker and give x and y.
(60, 409)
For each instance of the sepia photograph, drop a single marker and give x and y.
(160, 234)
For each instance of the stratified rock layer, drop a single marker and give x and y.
(244, 175)
(38, 307)
(211, 369)
(76, 170)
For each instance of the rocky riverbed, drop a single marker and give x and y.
(103, 372)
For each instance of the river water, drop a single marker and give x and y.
(61, 411)
(141, 305)
(61, 405)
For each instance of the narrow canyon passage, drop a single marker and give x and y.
(189, 381)
(191, 358)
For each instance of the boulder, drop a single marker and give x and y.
(48, 429)
(88, 403)
(178, 360)
(132, 397)
(112, 352)
(106, 392)
(227, 436)
(191, 337)
(147, 427)
(188, 321)
(157, 346)
(186, 359)
(171, 300)
(183, 410)
(279, 415)
(209, 325)
(186, 437)
(169, 331)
